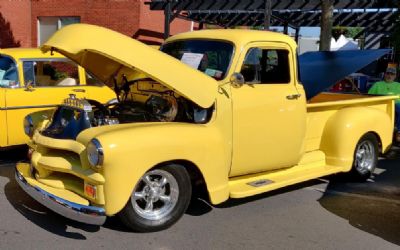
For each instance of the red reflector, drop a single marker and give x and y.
(90, 190)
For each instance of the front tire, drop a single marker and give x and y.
(158, 200)
(365, 157)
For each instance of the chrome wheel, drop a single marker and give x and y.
(158, 200)
(365, 157)
(156, 195)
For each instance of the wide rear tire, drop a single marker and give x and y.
(159, 199)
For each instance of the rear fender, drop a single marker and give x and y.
(345, 128)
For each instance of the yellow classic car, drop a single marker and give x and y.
(31, 80)
(216, 110)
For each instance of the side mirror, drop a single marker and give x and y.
(237, 80)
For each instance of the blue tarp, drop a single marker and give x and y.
(322, 69)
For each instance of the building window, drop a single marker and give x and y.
(48, 25)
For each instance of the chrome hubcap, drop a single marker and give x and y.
(156, 195)
(365, 156)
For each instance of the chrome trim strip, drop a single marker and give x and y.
(30, 107)
(86, 214)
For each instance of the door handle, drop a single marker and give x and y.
(293, 97)
(79, 90)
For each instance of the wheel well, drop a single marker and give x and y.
(378, 138)
(199, 187)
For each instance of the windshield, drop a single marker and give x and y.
(8, 73)
(210, 57)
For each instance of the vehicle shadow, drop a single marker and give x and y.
(373, 206)
(32, 210)
(199, 205)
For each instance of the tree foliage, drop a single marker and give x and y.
(349, 32)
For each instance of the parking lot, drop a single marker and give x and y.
(329, 213)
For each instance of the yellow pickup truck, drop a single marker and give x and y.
(221, 110)
(31, 80)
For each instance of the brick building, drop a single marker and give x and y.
(28, 23)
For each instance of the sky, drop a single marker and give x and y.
(310, 31)
(304, 31)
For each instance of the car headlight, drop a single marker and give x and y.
(95, 153)
(28, 126)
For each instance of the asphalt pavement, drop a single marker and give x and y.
(328, 213)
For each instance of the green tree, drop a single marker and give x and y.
(349, 32)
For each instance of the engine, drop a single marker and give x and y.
(76, 115)
(155, 109)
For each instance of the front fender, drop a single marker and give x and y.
(344, 129)
(130, 152)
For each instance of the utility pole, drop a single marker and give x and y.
(327, 8)
(267, 14)
(167, 19)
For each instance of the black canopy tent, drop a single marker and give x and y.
(260, 4)
(375, 16)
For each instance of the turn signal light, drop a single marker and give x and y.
(90, 190)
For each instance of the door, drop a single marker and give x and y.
(52, 81)
(269, 112)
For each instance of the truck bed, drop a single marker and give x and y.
(325, 105)
(329, 97)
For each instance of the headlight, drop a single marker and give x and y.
(95, 153)
(28, 126)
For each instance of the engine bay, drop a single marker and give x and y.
(145, 100)
(142, 100)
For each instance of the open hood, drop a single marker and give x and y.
(104, 53)
(320, 70)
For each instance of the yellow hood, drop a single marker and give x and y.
(104, 53)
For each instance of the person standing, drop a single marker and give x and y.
(389, 87)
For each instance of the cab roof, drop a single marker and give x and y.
(239, 37)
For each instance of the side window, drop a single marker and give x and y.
(92, 80)
(8, 73)
(266, 66)
(50, 73)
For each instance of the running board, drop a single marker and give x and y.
(250, 185)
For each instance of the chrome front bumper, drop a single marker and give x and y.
(86, 214)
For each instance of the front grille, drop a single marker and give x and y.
(63, 181)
